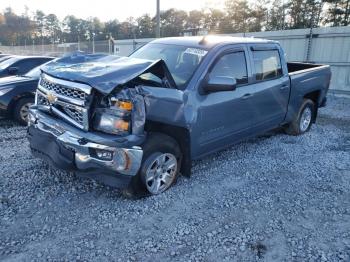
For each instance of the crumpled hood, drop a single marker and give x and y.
(104, 72)
(10, 80)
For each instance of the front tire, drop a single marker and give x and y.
(159, 172)
(21, 110)
(303, 120)
(161, 163)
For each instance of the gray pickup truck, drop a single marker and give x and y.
(137, 122)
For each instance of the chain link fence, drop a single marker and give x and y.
(60, 49)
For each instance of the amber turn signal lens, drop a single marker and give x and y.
(125, 105)
(122, 125)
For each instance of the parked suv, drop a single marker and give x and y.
(17, 95)
(137, 122)
(20, 65)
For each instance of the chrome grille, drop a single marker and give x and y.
(62, 90)
(76, 114)
(68, 100)
(41, 100)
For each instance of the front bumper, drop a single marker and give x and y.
(72, 151)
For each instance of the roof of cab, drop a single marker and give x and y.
(209, 41)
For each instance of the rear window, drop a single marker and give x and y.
(267, 64)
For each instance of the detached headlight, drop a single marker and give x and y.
(115, 119)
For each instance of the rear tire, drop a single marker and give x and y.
(21, 110)
(161, 163)
(303, 120)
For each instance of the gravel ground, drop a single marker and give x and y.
(273, 198)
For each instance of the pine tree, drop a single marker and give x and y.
(338, 13)
(276, 16)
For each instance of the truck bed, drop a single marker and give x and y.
(298, 67)
(311, 79)
(306, 78)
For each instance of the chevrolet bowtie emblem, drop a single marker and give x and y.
(51, 98)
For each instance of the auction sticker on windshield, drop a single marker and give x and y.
(196, 51)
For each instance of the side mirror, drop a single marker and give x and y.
(12, 70)
(219, 83)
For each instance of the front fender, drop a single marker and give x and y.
(168, 106)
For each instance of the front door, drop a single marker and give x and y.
(225, 116)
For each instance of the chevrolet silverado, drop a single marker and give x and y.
(137, 122)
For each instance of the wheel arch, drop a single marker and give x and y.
(182, 137)
(15, 100)
(314, 96)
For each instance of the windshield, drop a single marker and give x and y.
(182, 61)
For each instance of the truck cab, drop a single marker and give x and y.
(137, 122)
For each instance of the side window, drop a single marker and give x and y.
(267, 64)
(25, 65)
(232, 65)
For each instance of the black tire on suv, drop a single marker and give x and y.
(21, 110)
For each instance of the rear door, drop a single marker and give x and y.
(269, 92)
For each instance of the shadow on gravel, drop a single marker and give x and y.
(7, 123)
(343, 124)
(343, 145)
(85, 187)
(259, 248)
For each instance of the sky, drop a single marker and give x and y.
(105, 9)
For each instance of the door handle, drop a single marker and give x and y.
(246, 96)
(283, 87)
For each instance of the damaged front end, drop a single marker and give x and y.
(89, 114)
